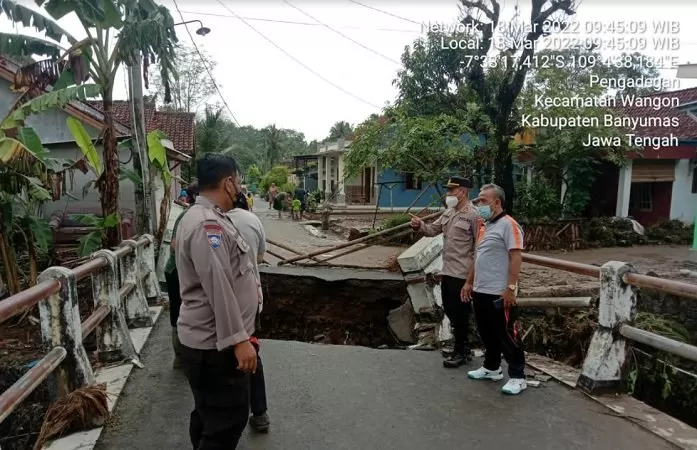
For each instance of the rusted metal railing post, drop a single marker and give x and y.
(607, 353)
(60, 327)
(137, 311)
(113, 338)
(146, 257)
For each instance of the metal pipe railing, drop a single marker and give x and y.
(658, 342)
(85, 270)
(554, 302)
(94, 320)
(22, 388)
(27, 298)
(567, 266)
(661, 284)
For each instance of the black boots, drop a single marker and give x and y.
(457, 359)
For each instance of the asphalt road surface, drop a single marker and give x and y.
(335, 397)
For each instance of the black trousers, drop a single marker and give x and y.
(458, 312)
(258, 388)
(498, 328)
(221, 398)
(175, 299)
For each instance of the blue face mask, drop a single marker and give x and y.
(484, 212)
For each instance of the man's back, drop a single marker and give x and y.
(251, 229)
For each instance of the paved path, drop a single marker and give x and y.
(293, 234)
(333, 397)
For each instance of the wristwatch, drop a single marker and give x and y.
(512, 287)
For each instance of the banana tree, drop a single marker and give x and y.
(117, 32)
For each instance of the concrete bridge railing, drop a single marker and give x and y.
(607, 355)
(122, 282)
(606, 358)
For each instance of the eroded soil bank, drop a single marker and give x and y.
(331, 306)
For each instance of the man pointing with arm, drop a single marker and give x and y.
(219, 304)
(459, 227)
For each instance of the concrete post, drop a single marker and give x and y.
(607, 353)
(61, 326)
(146, 258)
(137, 311)
(340, 182)
(624, 189)
(113, 338)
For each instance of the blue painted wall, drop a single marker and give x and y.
(402, 197)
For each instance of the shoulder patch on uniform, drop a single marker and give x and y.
(214, 233)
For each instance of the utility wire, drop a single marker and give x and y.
(384, 12)
(205, 64)
(305, 66)
(295, 22)
(342, 34)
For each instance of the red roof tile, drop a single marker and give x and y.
(688, 126)
(180, 127)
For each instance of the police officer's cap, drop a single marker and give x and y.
(456, 182)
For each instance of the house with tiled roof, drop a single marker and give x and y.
(659, 184)
(52, 129)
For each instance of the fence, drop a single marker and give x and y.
(122, 282)
(608, 351)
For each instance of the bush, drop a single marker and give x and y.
(395, 220)
(277, 175)
(536, 200)
(287, 187)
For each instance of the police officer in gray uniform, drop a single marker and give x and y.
(220, 300)
(459, 226)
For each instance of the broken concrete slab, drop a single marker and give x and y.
(420, 255)
(401, 321)
(315, 232)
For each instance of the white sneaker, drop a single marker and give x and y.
(514, 386)
(486, 374)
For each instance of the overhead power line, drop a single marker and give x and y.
(385, 12)
(305, 66)
(205, 64)
(295, 22)
(342, 34)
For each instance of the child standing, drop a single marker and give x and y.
(250, 201)
(295, 211)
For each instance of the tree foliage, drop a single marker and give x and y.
(277, 175)
(193, 86)
(429, 147)
(559, 154)
(341, 129)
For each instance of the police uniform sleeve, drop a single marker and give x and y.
(433, 229)
(210, 255)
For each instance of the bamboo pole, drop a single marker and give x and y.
(275, 254)
(356, 249)
(287, 248)
(357, 241)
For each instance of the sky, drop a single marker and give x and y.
(267, 83)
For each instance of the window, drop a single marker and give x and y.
(694, 180)
(641, 196)
(411, 182)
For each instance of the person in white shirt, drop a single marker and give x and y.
(252, 231)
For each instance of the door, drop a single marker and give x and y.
(367, 181)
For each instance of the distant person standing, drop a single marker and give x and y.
(273, 192)
(492, 288)
(459, 226)
(250, 201)
(220, 301)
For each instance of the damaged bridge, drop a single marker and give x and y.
(369, 394)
